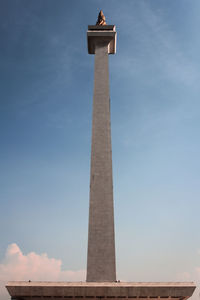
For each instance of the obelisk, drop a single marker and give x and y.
(101, 239)
(101, 272)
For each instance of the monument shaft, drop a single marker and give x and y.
(101, 241)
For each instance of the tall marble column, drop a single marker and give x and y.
(101, 239)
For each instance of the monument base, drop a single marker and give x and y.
(40, 290)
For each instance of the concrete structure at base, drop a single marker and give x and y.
(101, 274)
(100, 290)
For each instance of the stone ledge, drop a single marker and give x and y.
(100, 27)
(85, 290)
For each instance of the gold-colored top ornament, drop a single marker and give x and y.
(101, 19)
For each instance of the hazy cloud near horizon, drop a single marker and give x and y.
(33, 266)
(39, 267)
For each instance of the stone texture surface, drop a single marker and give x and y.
(97, 34)
(86, 290)
(101, 242)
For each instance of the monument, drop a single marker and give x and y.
(101, 242)
(101, 273)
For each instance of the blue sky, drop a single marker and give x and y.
(46, 86)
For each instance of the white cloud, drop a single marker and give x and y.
(33, 266)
